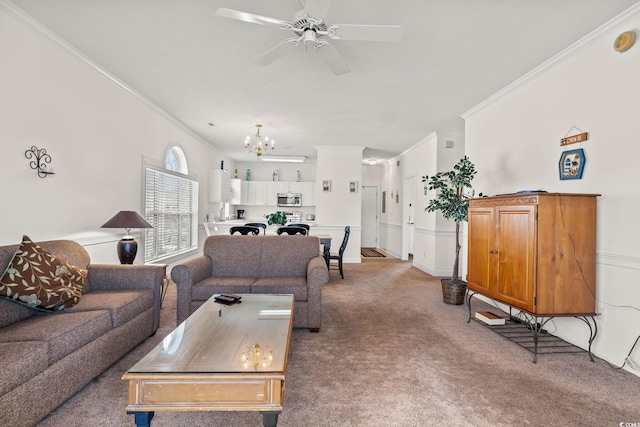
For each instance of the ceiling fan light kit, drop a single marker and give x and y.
(310, 29)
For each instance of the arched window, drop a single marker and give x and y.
(175, 160)
(171, 207)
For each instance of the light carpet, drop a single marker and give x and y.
(391, 353)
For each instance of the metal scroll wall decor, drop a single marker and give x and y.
(40, 161)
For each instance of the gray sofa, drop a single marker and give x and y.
(256, 265)
(48, 357)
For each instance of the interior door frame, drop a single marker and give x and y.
(377, 203)
(409, 195)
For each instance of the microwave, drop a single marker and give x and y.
(289, 199)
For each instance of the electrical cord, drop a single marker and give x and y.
(584, 281)
(575, 257)
(626, 359)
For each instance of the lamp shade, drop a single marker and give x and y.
(127, 220)
(127, 247)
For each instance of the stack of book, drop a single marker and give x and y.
(489, 318)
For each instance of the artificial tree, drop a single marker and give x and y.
(453, 188)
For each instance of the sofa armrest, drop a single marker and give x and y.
(119, 277)
(317, 277)
(185, 276)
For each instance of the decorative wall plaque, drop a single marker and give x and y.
(571, 164)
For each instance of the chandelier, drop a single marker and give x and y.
(257, 144)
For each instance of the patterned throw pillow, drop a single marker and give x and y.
(39, 280)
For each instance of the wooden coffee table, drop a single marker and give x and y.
(222, 358)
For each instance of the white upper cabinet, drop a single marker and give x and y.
(308, 191)
(236, 192)
(219, 186)
(266, 192)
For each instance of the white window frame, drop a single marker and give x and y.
(170, 205)
(179, 163)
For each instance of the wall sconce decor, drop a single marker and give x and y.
(353, 186)
(40, 162)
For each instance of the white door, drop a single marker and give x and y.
(369, 220)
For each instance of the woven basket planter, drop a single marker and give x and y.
(453, 292)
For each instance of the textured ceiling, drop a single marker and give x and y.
(200, 68)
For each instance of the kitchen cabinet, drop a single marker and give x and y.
(534, 252)
(308, 191)
(252, 193)
(219, 186)
(266, 192)
(236, 192)
(270, 193)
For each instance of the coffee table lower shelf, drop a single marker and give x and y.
(150, 393)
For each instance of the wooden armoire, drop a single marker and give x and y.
(535, 251)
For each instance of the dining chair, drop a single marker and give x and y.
(338, 258)
(292, 231)
(297, 224)
(258, 224)
(244, 230)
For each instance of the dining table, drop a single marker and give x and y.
(325, 241)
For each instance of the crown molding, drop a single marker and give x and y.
(596, 35)
(14, 11)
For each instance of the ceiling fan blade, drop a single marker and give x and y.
(249, 17)
(372, 33)
(274, 53)
(333, 59)
(316, 8)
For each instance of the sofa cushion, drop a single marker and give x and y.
(63, 332)
(299, 251)
(282, 285)
(10, 312)
(21, 361)
(203, 290)
(122, 305)
(40, 280)
(234, 256)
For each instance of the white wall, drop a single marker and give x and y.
(514, 141)
(339, 207)
(434, 237)
(97, 134)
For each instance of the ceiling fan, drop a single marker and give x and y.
(310, 29)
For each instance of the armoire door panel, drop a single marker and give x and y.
(516, 255)
(481, 226)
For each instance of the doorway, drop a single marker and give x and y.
(369, 217)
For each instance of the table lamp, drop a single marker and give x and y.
(127, 247)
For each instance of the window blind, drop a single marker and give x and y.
(171, 207)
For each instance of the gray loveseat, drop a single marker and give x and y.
(256, 265)
(48, 357)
